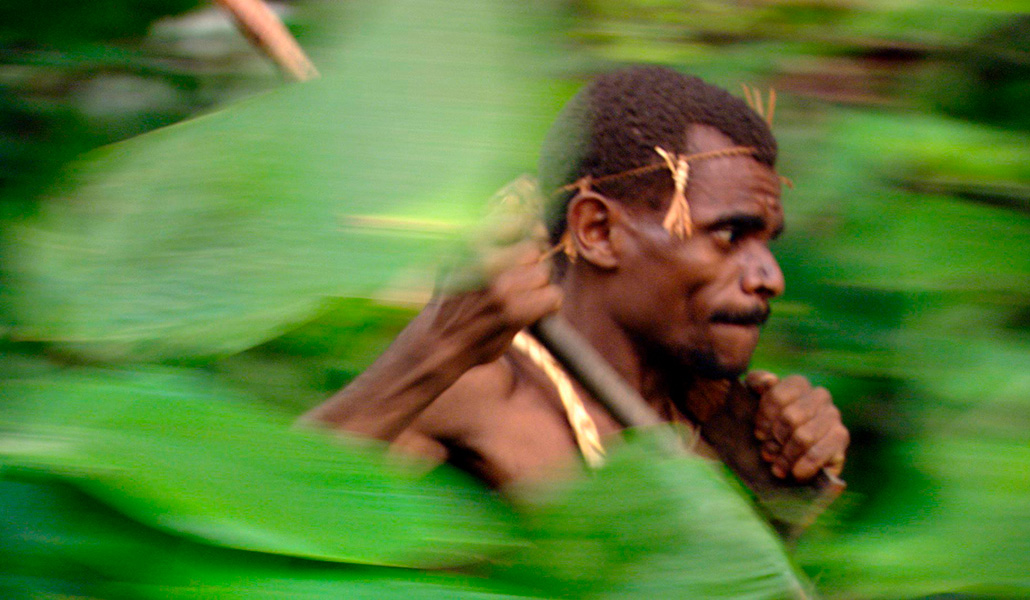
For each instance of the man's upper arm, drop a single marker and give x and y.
(459, 414)
(416, 443)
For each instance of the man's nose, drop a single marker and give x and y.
(762, 274)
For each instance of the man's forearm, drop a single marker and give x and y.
(388, 396)
(452, 334)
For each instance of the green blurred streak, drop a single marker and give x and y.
(182, 455)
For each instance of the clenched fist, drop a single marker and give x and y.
(799, 427)
(513, 290)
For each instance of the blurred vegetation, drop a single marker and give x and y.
(904, 127)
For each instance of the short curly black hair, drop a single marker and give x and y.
(613, 124)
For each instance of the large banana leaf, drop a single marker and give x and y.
(210, 236)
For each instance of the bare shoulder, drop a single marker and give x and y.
(471, 402)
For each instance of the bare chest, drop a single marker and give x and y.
(525, 437)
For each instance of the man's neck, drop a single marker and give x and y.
(672, 390)
(588, 314)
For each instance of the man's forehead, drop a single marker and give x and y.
(739, 192)
(718, 183)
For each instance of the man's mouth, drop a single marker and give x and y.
(755, 317)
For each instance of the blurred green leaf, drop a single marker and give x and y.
(650, 526)
(175, 452)
(55, 539)
(302, 368)
(951, 541)
(211, 236)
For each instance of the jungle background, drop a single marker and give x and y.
(902, 125)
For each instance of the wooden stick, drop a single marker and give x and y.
(598, 378)
(594, 373)
(264, 29)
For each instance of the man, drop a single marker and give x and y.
(664, 199)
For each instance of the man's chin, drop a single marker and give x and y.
(709, 366)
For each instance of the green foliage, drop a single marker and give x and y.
(231, 239)
(211, 236)
(64, 24)
(649, 526)
(213, 469)
(57, 540)
(162, 484)
(303, 367)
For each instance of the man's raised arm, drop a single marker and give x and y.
(454, 333)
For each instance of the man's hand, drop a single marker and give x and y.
(799, 427)
(514, 291)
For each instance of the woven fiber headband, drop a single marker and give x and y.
(677, 219)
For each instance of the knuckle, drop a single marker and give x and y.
(776, 399)
(507, 312)
(539, 275)
(497, 289)
(805, 468)
(780, 432)
(760, 380)
(844, 436)
(806, 438)
(798, 382)
(822, 395)
(793, 415)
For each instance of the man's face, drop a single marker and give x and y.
(701, 301)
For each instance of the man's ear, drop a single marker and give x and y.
(591, 219)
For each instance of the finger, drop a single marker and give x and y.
(528, 308)
(525, 294)
(500, 260)
(836, 463)
(759, 381)
(827, 453)
(806, 407)
(780, 395)
(476, 272)
(771, 451)
(520, 279)
(803, 439)
(775, 400)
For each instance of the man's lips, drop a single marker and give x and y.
(753, 318)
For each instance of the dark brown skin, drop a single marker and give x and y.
(677, 318)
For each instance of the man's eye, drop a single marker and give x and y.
(727, 235)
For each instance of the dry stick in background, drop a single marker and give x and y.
(264, 29)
